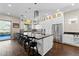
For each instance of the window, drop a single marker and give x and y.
(5, 30)
(5, 27)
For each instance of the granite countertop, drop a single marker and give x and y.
(27, 31)
(44, 36)
(74, 33)
(39, 35)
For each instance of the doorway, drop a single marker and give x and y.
(5, 30)
(57, 31)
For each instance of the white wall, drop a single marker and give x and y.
(13, 20)
(74, 27)
(71, 27)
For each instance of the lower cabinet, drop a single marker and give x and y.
(44, 45)
(70, 39)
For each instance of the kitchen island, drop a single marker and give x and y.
(44, 43)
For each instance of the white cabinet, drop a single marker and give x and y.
(69, 39)
(44, 45)
(47, 44)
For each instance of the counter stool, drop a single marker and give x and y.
(21, 39)
(26, 42)
(33, 45)
(17, 36)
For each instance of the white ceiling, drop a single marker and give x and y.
(19, 9)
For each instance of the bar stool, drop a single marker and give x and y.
(17, 36)
(26, 42)
(33, 45)
(21, 38)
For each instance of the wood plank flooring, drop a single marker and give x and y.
(12, 48)
(63, 50)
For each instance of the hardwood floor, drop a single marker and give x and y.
(63, 50)
(12, 48)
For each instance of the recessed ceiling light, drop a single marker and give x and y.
(9, 5)
(58, 9)
(73, 4)
(8, 13)
(29, 8)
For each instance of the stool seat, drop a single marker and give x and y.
(33, 44)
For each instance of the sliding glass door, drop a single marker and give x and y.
(5, 30)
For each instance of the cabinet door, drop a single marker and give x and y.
(68, 38)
